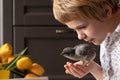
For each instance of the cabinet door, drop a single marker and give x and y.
(45, 46)
(33, 12)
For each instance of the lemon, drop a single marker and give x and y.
(37, 69)
(6, 50)
(24, 63)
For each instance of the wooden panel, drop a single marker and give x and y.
(33, 12)
(45, 47)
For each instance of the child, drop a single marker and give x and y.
(97, 22)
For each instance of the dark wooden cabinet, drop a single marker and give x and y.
(33, 12)
(30, 23)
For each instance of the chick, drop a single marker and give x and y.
(83, 52)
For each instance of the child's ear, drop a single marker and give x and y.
(108, 10)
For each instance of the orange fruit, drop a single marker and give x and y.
(30, 75)
(4, 59)
(37, 69)
(10, 59)
(24, 63)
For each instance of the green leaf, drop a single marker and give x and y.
(18, 72)
(13, 62)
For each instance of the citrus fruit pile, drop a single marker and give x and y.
(17, 63)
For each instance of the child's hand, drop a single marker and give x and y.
(77, 69)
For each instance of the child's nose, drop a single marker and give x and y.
(81, 36)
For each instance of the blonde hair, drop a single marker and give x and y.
(67, 10)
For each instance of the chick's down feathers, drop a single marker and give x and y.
(84, 52)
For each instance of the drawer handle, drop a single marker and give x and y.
(62, 31)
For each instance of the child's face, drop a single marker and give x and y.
(92, 31)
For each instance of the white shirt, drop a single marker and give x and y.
(110, 55)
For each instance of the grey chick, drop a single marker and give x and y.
(84, 52)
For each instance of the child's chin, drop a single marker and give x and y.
(96, 43)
